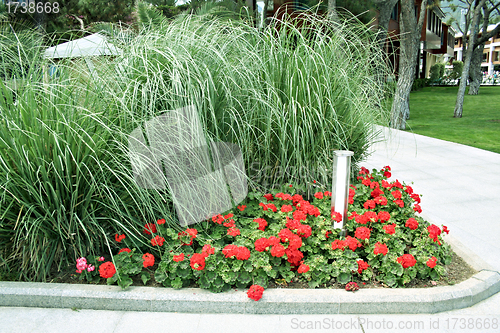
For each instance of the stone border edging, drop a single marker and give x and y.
(274, 301)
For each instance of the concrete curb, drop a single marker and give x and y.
(275, 301)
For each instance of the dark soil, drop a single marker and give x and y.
(457, 271)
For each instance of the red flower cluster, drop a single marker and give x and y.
(303, 269)
(269, 197)
(241, 207)
(362, 266)
(278, 250)
(352, 243)
(411, 223)
(390, 228)
(197, 261)
(240, 252)
(157, 241)
(362, 233)
(233, 232)
(207, 250)
(434, 232)
(431, 262)
(262, 223)
(149, 228)
(407, 260)
(107, 270)
(161, 221)
(339, 244)
(187, 234)
(286, 208)
(119, 238)
(351, 286)
(383, 216)
(178, 258)
(149, 260)
(255, 292)
(318, 195)
(336, 216)
(283, 196)
(126, 249)
(269, 206)
(380, 248)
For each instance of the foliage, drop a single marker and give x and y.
(437, 72)
(282, 237)
(457, 70)
(65, 177)
(419, 84)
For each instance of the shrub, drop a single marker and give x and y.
(288, 96)
(437, 72)
(457, 70)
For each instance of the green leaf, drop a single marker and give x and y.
(125, 281)
(177, 283)
(160, 276)
(390, 279)
(397, 269)
(145, 277)
(344, 278)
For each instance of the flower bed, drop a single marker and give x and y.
(280, 236)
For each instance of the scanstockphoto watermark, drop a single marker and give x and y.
(456, 323)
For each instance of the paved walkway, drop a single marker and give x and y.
(461, 189)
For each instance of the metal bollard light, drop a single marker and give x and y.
(340, 185)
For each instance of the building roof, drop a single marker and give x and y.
(93, 45)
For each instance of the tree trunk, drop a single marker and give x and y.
(476, 75)
(385, 10)
(332, 10)
(410, 43)
(459, 105)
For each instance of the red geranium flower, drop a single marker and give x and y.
(157, 241)
(229, 223)
(299, 215)
(241, 207)
(411, 223)
(272, 207)
(262, 223)
(371, 216)
(339, 244)
(233, 232)
(390, 228)
(380, 200)
(126, 249)
(149, 228)
(383, 216)
(407, 260)
(197, 261)
(318, 195)
(107, 270)
(161, 221)
(178, 258)
(295, 242)
(207, 250)
(149, 260)
(431, 262)
(255, 292)
(218, 219)
(269, 197)
(434, 232)
(274, 240)
(417, 208)
(362, 233)
(329, 194)
(119, 238)
(292, 224)
(336, 216)
(376, 192)
(352, 243)
(445, 229)
(380, 248)
(399, 203)
(369, 204)
(261, 244)
(304, 231)
(278, 250)
(294, 256)
(286, 208)
(242, 253)
(229, 250)
(303, 269)
(362, 266)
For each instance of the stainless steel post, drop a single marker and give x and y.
(340, 184)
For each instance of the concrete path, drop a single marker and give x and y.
(461, 189)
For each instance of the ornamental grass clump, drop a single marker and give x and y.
(287, 95)
(299, 243)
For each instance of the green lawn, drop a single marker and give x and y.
(431, 114)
